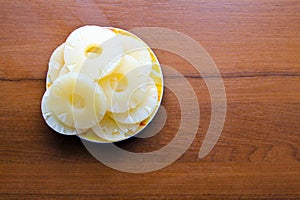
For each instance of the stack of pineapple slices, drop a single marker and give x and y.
(103, 84)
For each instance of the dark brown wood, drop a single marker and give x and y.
(256, 46)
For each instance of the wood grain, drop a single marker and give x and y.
(255, 45)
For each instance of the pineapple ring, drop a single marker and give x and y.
(144, 109)
(136, 48)
(53, 122)
(111, 130)
(92, 50)
(76, 101)
(55, 65)
(120, 85)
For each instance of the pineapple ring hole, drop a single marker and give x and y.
(118, 82)
(77, 101)
(93, 51)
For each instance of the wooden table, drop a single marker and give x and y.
(256, 46)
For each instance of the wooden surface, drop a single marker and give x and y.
(255, 44)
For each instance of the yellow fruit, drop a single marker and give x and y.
(111, 130)
(54, 122)
(144, 109)
(137, 49)
(120, 85)
(55, 64)
(93, 51)
(103, 84)
(76, 101)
